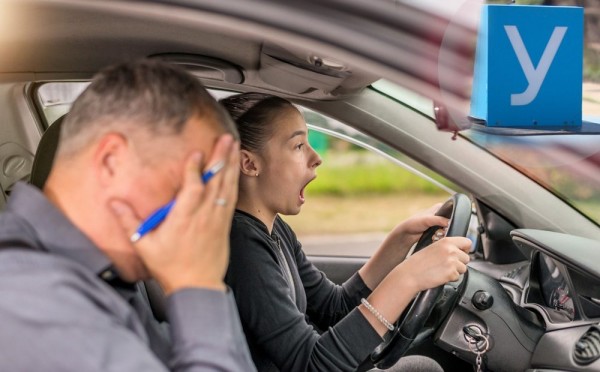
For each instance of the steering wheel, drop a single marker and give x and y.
(458, 210)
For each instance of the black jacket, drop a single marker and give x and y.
(277, 317)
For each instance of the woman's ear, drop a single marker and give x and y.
(248, 163)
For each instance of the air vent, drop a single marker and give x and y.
(587, 349)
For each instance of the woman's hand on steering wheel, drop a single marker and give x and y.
(441, 262)
(398, 243)
(408, 232)
(435, 265)
(432, 265)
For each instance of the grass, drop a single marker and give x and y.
(325, 215)
(363, 179)
(363, 173)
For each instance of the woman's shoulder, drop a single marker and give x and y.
(249, 236)
(247, 225)
(251, 247)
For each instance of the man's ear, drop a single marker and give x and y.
(249, 163)
(111, 157)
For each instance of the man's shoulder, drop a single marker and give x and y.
(57, 283)
(15, 232)
(58, 315)
(20, 259)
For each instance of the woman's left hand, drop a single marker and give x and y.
(411, 229)
(407, 233)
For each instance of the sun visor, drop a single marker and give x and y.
(304, 72)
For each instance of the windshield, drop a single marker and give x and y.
(567, 165)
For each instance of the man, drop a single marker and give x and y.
(136, 139)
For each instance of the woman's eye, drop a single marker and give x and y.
(299, 146)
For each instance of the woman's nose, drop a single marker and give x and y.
(316, 159)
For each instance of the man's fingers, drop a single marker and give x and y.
(191, 192)
(125, 215)
(231, 174)
(221, 150)
(221, 153)
(227, 194)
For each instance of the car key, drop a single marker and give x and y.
(474, 336)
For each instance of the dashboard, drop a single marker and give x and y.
(556, 289)
(563, 287)
(545, 311)
(550, 288)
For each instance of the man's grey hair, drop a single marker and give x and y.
(146, 94)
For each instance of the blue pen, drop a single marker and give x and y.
(160, 214)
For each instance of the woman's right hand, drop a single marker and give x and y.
(441, 262)
(435, 265)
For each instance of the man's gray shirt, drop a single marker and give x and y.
(57, 313)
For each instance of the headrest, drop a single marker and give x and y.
(44, 156)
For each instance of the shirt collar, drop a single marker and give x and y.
(54, 232)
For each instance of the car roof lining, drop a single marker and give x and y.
(70, 39)
(72, 43)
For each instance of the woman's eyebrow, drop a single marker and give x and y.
(297, 133)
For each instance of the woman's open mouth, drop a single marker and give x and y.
(301, 195)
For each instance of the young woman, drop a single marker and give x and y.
(294, 318)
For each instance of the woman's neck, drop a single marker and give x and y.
(252, 206)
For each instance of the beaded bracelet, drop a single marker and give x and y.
(376, 313)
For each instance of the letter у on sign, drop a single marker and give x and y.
(528, 67)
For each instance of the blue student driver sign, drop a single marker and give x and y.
(528, 67)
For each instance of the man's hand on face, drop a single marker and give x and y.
(191, 247)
